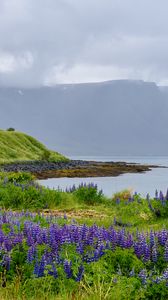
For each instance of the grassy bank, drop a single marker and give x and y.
(85, 203)
(16, 146)
(79, 244)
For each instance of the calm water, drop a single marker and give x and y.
(141, 183)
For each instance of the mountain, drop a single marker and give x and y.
(17, 146)
(120, 117)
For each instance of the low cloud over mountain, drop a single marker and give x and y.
(115, 117)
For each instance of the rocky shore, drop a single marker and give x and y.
(76, 168)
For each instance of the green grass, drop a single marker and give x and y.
(42, 289)
(85, 205)
(16, 146)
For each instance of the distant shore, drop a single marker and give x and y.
(77, 168)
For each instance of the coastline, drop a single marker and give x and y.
(77, 168)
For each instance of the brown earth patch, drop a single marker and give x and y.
(75, 214)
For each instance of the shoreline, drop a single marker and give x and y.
(77, 168)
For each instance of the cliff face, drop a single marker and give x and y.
(110, 118)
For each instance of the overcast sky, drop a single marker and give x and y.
(45, 42)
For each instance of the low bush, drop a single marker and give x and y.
(10, 129)
(123, 195)
(89, 194)
(28, 196)
(18, 177)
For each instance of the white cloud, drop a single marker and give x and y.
(7, 63)
(87, 73)
(46, 42)
(10, 63)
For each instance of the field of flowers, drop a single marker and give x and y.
(44, 255)
(34, 246)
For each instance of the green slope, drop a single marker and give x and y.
(17, 146)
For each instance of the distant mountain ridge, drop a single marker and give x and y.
(120, 117)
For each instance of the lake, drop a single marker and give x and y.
(141, 183)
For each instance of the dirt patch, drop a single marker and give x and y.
(75, 214)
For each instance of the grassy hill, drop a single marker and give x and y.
(17, 146)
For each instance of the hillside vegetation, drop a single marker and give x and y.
(17, 146)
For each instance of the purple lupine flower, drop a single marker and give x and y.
(156, 194)
(147, 197)
(54, 236)
(132, 273)
(53, 272)
(121, 238)
(166, 197)
(118, 201)
(163, 237)
(36, 268)
(2, 236)
(41, 267)
(143, 276)
(154, 253)
(114, 221)
(101, 250)
(80, 273)
(68, 268)
(165, 274)
(6, 262)
(152, 238)
(83, 232)
(31, 254)
(161, 196)
(129, 241)
(113, 237)
(80, 248)
(146, 253)
(166, 252)
(7, 243)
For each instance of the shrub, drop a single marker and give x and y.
(28, 194)
(10, 129)
(17, 176)
(124, 195)
(156, 291)
(89, 194)
(122, 260)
